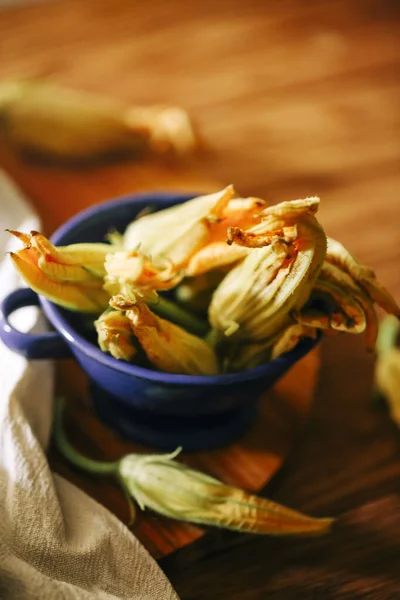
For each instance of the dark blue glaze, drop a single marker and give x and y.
(159, 409)
(30, 345)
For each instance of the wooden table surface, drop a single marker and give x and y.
(292, 98)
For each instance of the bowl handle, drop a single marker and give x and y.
(30, 345)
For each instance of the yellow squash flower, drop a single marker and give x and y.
(70, 276)
(115, 335)
(66, 125)
(364, 276)
(170, 488)
(132, 276)
(192, 235)
(169, 347)
(387, 368)
(345, 293)
(256, 298)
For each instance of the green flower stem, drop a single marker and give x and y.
(388, 333)
(72, 455)
(213, 337)
(171, 311)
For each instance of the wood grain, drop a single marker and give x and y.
(292, 98)
(358, 560)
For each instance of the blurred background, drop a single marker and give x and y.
(290, 98)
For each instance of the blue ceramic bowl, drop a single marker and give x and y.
(150, 407)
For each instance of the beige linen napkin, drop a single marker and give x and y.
(55, 541)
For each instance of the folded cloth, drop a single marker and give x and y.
(55, 541)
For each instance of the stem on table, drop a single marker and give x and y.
(69, 452)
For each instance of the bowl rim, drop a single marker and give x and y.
(54, 314)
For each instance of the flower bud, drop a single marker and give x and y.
(76, 262)
(169, 347)
(192, 235)
(115, 335)
(132, 276)
(176, 491)
(255, 300)
(83, 296)
(338, 255)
